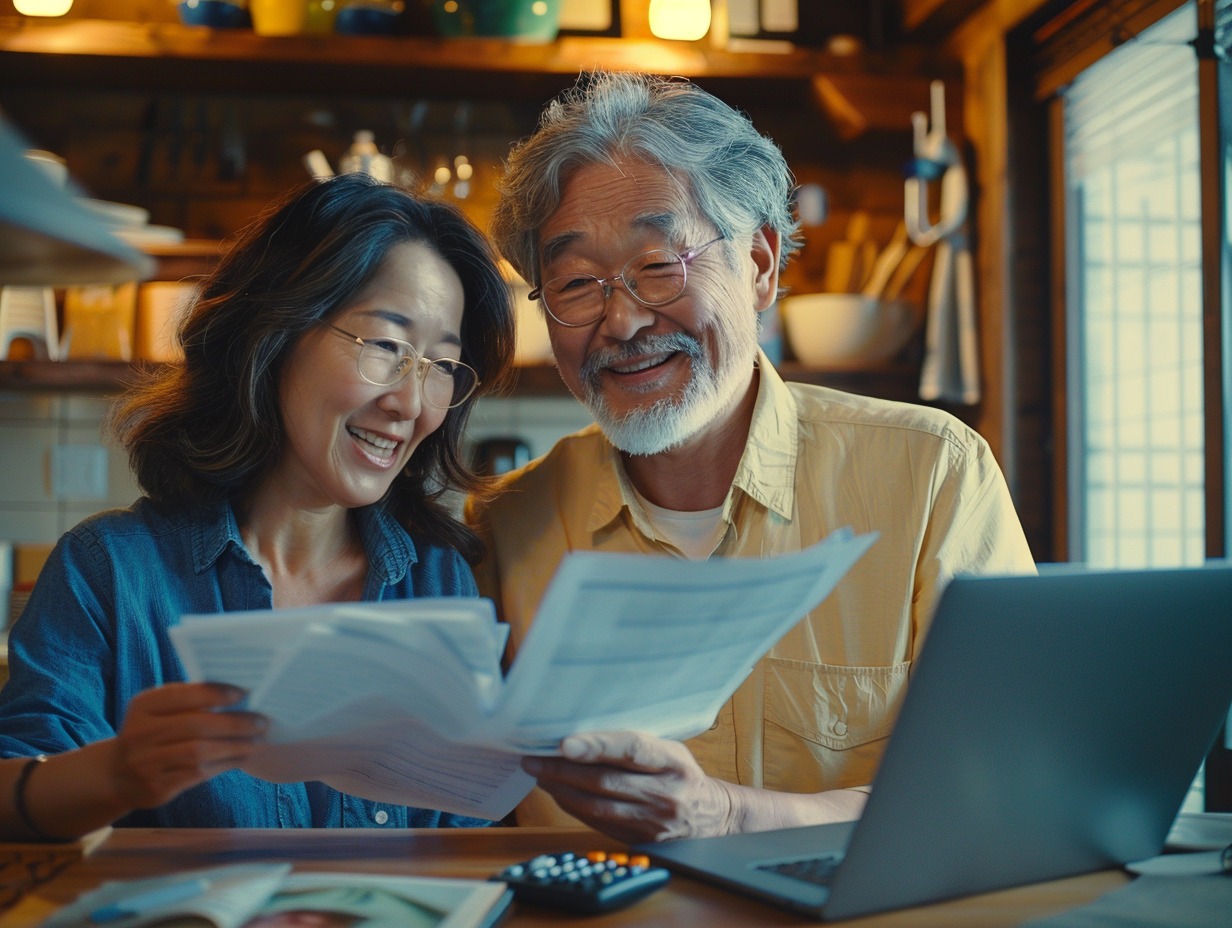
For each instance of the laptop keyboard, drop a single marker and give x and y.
(816, 870)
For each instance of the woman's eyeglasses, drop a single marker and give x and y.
(443, 383)
(652, 278)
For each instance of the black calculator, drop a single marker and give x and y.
(598, 881)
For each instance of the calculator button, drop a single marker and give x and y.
(595, 882)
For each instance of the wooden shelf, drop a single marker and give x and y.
(857, 92)
(196, 257)
(110, 377)
(192, 257)
(113, 54)
(106, 377)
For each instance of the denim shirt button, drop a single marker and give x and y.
(381, 817)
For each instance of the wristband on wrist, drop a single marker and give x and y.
(19, 798)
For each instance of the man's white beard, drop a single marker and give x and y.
(671, 421)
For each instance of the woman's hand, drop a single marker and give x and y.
(173, 738)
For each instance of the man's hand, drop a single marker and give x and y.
(173, 739)
(635, 787)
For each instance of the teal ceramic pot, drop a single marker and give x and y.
(217, 14)
(527, 20)
(366, 19)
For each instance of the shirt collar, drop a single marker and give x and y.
(767, 469)
(613, 492)
(390, 550)
(214, 529)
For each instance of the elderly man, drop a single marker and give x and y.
(653, 221)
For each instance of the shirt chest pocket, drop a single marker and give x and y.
(834, 706)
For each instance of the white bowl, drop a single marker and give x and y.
(116, 215)
(845, 330)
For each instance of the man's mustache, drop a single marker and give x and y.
(603, 358)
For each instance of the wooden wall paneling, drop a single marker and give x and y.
(1011, 412)
(1059, 314)
(1214, 80)
(1028, 303)
(1086, 31)
(934, 20)
(1212, 163)
(979, 44)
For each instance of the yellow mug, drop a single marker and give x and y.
(278, 17)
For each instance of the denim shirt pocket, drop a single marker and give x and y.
(838, 707)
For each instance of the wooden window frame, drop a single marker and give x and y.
(1045, 114)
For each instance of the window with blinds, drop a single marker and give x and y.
(1134, 302)
(1134, 305)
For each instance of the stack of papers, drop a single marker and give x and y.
(404, 702)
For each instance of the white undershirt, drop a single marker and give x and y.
(695, 533)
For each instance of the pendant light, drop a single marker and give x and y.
(688, 20)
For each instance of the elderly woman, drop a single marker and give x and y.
(298, 455)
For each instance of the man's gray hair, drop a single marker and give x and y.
(738, 177)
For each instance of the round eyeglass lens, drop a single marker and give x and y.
(448, 383)
(574, 298)
(382, 363)
(655, 277)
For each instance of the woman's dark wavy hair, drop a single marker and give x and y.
(210, 428)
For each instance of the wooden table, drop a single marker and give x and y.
(478, 853)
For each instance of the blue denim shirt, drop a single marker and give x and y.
(94, 634)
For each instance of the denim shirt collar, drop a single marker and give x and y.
(390, 550)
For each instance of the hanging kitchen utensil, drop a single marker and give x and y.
(951, 364)
(317, 164)
(905, 271)
(936, 158)
(843, 257)
(885, 264)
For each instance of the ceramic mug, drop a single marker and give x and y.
(279, 17)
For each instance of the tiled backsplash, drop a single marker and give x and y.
(51, 452)
(44, 433)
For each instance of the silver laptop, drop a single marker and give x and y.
(1052, 726)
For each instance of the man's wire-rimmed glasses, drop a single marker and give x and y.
(443, 383)
(653, 278)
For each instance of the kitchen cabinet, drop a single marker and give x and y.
(832, 114)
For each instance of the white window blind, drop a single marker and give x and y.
(1134, 302)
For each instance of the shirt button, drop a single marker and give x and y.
(840, 728)
(382, 817)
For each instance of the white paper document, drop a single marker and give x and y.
(404, 701)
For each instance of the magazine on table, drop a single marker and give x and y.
(268, 895)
